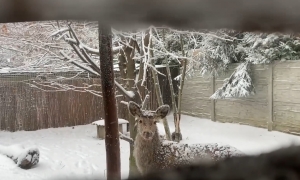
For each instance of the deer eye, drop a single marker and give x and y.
(154, 122)
(140, 121)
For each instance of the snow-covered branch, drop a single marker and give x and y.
(92, 50)
(77, 64)
(239, 84)
(212, 34)
(25, 158)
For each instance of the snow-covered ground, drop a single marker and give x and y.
(66, 152)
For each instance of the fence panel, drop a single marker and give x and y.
(276, 104)
(26, 108)
(286, 96)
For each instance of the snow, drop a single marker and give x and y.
(130, 94)
(5, 70)
(116, 67)
(102, 122)
(177, 78)
(19, 152)
(137, 66)
(67, 153)
(161, 129)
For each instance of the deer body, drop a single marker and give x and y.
(153, 154)
(282, 164)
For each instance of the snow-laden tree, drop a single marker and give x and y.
(27, 45)
(239, 84)
(223, 47)
(218, 49)
(260, 48)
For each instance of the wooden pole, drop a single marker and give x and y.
(213, 101)
(112, 143)
(270, 98)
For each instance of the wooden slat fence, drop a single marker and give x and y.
(27, 108)
(275, 106)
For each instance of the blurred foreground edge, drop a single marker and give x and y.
(281, 164)
(254, 15)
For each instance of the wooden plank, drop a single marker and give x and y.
(213, 118)
(270, 98)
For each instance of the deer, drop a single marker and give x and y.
(283, 163)
(153, 153)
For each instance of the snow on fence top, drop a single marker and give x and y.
(102, 122)
(7, 70)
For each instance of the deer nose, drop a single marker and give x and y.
(147, 134)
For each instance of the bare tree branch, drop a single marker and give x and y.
(145, 102)
(79, 49)
(126, 138)
(92, 50)
(66, 57)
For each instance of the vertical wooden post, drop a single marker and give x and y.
(270, 97)
(213, 102)
(112, 142)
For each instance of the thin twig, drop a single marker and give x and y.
(145, 102)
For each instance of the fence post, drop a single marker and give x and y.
(213, 117)
(270, 97)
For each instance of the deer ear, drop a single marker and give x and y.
(162, 111)
(134, 109)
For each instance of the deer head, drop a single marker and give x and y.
(146, 120)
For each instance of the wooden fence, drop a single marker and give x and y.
(275, 106)
(27, 108)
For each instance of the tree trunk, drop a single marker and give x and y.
(113, 162)
(141, 87)
(158, 92)
(129, 75)
(177, 136)
(171, 86)
(181, 80)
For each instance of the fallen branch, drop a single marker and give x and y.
(25, 158)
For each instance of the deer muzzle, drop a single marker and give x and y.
(147, 135)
